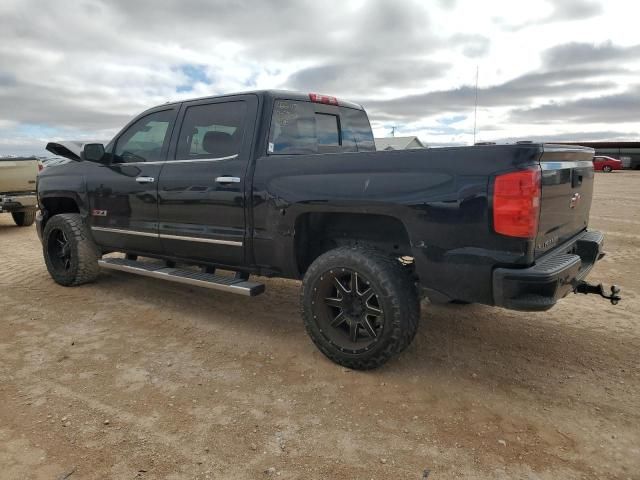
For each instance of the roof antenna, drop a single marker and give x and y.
(475, 110)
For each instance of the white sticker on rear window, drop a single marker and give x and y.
(271, 147)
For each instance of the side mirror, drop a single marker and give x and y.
(93, 152)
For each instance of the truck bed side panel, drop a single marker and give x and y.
(440, 195)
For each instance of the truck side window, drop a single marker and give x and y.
(296, 128)
(212, 131)
(144, 140)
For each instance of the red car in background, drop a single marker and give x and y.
(606, 164)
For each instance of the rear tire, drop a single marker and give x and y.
(24, 219)
(607, 169)
(360, 306)
(70, 254)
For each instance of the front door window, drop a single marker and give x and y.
(145, 140)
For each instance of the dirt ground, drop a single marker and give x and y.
(137, 378)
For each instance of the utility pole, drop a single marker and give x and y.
(393, 130)
(475, 110)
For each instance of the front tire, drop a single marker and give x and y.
(607, 169)
(70, 254)
(24, 219)
(360, 306)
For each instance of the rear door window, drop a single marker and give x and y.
(297, 128)
(213, 130)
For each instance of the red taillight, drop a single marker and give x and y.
(40, 167)
(327, 100)
(516, 203)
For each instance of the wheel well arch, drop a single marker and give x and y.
(319, 232)
(57, 205)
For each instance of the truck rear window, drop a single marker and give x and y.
(296, 128)
(327, 130)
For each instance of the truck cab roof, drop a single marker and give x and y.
(279, 95)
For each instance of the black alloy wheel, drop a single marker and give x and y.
(352, 318)
(59, 250)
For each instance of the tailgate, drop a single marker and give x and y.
(567, 188)
(18, 174)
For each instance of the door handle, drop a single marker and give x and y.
(228, 179)
(145, 179)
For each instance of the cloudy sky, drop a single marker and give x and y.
(556, 70)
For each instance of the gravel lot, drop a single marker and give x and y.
(136, 378)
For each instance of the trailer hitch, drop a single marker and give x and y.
(587, 288)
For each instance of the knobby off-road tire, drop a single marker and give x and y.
(24, 219)
(70, 254)
(360, 306)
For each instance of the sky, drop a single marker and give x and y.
(547, 70)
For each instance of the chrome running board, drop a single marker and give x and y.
(187, 277)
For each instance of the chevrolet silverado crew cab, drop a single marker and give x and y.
(18, 188)
(284, 184)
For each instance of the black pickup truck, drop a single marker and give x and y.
(284, 184)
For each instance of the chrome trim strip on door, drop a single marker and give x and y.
(168, 237)
(200, 239)
(127, 232)
(195, 160)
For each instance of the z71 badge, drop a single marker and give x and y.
(99, 213)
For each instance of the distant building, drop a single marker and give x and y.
(627, 152)
(398, 143)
